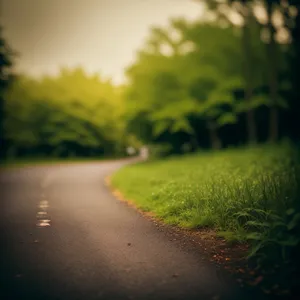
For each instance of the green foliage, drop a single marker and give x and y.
(71, 114)
(197, 79)
(159, 151)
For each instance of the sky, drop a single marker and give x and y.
(100, 35)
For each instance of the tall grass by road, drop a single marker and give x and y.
(248, 194)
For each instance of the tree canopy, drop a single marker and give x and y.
(225, 79)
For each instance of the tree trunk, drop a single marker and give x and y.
(213, 134)
(273, 129)
(273, 77)
(3, 146)
(294, 114)
(252, 138)
(194, 143)
(248, 74)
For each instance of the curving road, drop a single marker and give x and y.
(64, 236)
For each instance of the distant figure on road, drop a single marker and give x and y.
(144, 152)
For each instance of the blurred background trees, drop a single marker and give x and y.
(72, 114)
(228, 79)
(6, 78)
(236, 74)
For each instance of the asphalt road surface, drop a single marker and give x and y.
(64, 236)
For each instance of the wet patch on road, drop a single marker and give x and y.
(42, 216)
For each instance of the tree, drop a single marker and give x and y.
(6, 77)
(224, 11)
(248, 71)
(292, 21)
(194, 80)
(272, 70)
(70, 114)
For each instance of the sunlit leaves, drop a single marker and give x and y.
(195, 80)
(227, 118)
(183, 126)
(71, 110)
(161, 126)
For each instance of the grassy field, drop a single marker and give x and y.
(249, 194)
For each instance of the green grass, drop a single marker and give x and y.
(248, 194)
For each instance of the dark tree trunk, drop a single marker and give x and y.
(248, 74)
(1, 127)
(194, 143)
(251, 124)
(294, 110)
(273, 74)
(213, 134)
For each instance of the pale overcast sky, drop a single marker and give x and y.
(100, 35)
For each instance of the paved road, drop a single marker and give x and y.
(64, 236)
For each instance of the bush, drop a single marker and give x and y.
(159, 151)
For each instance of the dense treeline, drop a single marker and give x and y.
(69, 115)
(6, 78)
(228, 79)
(225, 80)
